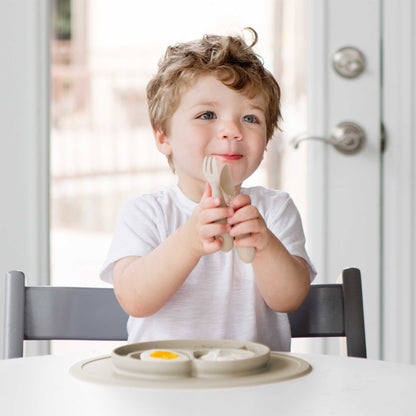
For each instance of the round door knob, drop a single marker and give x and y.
(348, 62)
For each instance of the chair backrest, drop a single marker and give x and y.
(47, 312)
(334, 310)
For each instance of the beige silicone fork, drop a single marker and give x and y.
(212, 175)
(245, 254)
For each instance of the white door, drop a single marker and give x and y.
(362, 207)
(344, 190)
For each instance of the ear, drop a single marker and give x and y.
(162, 142)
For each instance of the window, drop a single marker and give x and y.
(102, 152)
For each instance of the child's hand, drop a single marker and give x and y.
(204, 225)
(247, 220)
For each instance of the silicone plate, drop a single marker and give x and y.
(124, 367)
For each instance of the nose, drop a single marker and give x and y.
(229, 130)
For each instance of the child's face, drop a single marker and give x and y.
(213, 119)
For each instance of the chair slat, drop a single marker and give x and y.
(78, 313)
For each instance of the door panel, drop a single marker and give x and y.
(344, 190)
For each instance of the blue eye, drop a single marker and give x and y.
(250, 119)
(208, 115)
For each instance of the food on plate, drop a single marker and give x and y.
(226, 354)
(163, 355)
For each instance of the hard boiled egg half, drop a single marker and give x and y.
(226, 354)
(163, 355)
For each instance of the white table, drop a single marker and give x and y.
(336, 385)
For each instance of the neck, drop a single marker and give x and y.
(194, 193)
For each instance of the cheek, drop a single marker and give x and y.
(258, 148)
(186, 154)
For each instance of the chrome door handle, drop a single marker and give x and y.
(347, 137)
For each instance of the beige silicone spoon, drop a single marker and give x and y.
(245, 254)
(212, 175)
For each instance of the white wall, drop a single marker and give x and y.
(399, 114)
(24, 130)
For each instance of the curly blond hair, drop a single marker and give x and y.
(229, 59)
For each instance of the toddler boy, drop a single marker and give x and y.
(210, 97)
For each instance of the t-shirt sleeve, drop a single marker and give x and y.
(286, 224)
(136, 233)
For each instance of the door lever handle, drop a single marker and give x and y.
(347, 137)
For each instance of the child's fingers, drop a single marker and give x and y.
(257, 240)
(207, 192)
(249, 240)
(240, 201)
(215, 213)
(210, 202)
(247, 227)
(246, 213)
(209, 231)
(212, 245)
(207, 195)
(207, 201)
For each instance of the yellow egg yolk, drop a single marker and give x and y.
(164, 355)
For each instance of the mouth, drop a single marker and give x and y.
(228, 157)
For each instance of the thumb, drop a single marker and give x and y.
(206, 199)
(207, 192)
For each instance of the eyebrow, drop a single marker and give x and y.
(257, 107)
(205, 103)
(213, 103)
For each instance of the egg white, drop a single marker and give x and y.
(228, 354)
(146, 355)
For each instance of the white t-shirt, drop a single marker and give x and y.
(219, 299)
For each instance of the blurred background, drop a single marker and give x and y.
(103, 53)
(102, 148)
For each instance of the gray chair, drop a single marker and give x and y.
(334, 310)
(47, 312)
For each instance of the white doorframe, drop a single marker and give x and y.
(399, 117)
(24, 132)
